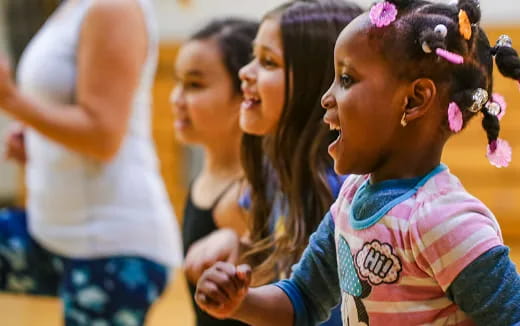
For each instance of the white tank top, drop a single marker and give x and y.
(79, 207)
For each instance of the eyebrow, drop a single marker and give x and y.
(189, 73)
(266, 48)
(194, 73)
(344, 64)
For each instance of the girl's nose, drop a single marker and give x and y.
(328, 101)
(176, 97)
(246, 73)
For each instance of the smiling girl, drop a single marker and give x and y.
(404, 244)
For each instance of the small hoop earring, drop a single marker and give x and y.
(404, 123)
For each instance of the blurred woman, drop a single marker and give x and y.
(100, 231)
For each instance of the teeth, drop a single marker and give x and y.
(334, 127)
(332, 122)
(252, 98)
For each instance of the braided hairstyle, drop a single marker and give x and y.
(422, 28)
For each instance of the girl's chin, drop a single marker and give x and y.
(342, 165)
(339, 169)
(186, 138)
(252, 127)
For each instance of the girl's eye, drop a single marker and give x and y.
(268, 62)
(193, 85)
(346, 80)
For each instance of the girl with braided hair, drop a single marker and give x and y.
(405, 243)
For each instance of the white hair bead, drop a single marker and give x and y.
(441, 29)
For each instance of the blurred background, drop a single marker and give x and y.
(498, 188)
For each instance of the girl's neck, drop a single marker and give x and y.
(409, 163)
(222, 159)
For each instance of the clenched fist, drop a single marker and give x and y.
(222, 289)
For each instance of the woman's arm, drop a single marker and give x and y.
(112, 50)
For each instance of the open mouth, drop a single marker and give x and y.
(332, 120)
(335, 131)
(250, 102)
(181, 123)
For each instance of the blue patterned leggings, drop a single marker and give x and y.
(96, 292)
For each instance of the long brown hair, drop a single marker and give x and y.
(294, 159)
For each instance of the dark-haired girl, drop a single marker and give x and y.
(206, 104)
(404, 244)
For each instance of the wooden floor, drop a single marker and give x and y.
(172, 310)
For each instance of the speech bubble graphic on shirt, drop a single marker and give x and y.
(377, 262)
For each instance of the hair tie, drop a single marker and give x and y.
(464, 25)
(504, 41)
(455, 117)
(450, 56)
(499, 153)
(497, 106)
(442, 30)
(480, 98)
(426, 48)
(383, 14)
(494, 109)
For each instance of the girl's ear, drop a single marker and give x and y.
(420, 97)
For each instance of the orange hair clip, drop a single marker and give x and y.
(464, 25)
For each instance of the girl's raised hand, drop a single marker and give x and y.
(222, 289)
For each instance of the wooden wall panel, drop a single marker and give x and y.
(171, 154)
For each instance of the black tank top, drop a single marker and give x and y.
(197, 224)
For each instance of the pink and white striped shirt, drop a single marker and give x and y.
(397, 270)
